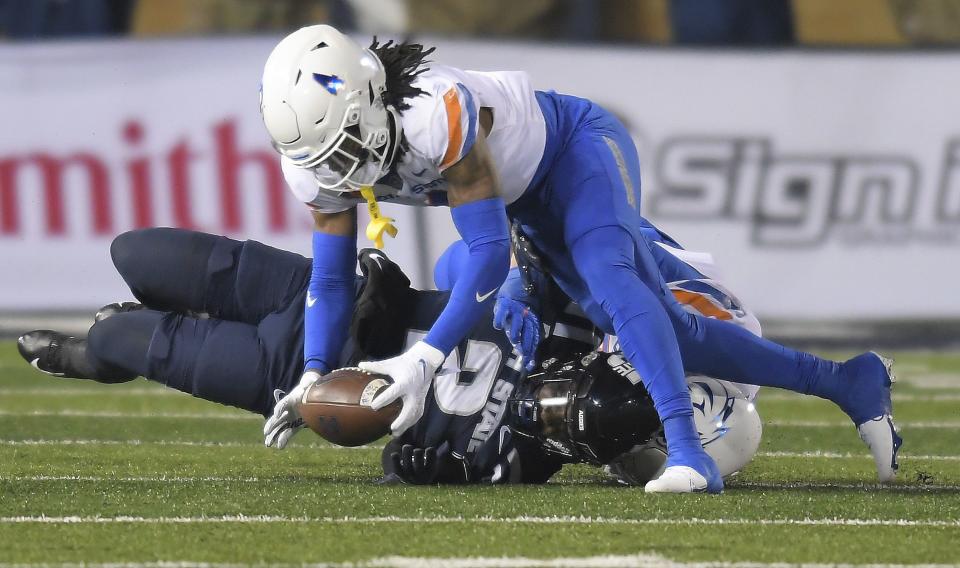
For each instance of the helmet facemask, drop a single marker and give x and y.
(356, 160)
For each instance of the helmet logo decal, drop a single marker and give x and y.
(331, 83)
(623, 368)
(719, 420)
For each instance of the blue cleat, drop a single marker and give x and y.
(694, 473)
(866, 400)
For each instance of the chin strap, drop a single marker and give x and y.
(378, 224)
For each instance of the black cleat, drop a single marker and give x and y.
(117, 308)
(47, 351)
(61, 355)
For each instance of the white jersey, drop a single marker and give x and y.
(440, 127)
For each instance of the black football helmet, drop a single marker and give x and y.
(590, 409)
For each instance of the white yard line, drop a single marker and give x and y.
(98, 392)
(945, 425)
(134, 415)
(188, 443)
(780, 396)
(732, 484)
(611, 561)
(439, 519)
(836, 455)
(138, 478)
(948, 381)
(790, 485)
(204, 444)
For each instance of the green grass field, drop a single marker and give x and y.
(139, 475)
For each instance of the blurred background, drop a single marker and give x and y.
(812, 146)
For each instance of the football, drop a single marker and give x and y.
(337, 407)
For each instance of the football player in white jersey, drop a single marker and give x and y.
(357, 125)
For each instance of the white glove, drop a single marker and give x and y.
(286, 420)
(412, 372)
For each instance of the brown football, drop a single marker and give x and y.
(337, 407)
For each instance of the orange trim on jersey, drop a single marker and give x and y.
(454, 129)
(701, 303)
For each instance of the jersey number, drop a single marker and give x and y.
(462, 388)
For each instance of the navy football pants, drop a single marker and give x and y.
(225, 321)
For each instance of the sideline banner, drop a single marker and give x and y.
(827, 185)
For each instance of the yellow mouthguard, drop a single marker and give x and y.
(378, 224)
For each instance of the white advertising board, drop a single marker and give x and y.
(827, 185)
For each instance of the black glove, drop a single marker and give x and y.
(416, 466)
(409, 464)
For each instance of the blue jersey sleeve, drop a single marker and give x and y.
(329, 303)
(450, 264)
(483, 226)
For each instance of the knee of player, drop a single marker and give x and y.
(128, 246)
(619, 290)
(687, 326)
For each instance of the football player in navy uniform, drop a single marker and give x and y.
(355, 125)
(222, 320)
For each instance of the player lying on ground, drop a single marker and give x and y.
(353, 125)
(482, 422)
(247, 349)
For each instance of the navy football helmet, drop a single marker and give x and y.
(590, 409)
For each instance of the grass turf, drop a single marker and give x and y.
(138, 474)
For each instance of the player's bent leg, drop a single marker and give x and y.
(186, 271)
(165, 268)
(604, 258)
(860, 386)
(215, 360)
(123, 340)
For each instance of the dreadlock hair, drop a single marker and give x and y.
(402, 63)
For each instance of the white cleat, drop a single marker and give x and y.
(880, 435)
(868, 403)
(677, 479)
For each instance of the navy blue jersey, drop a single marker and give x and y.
(466, 407)
(467, 403)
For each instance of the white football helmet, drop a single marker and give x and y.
(321, 103)
(729, 428)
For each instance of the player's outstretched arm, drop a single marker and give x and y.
(329, 301)
(517, 307)
(481, 219)
(480, 216)
(326, 318)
